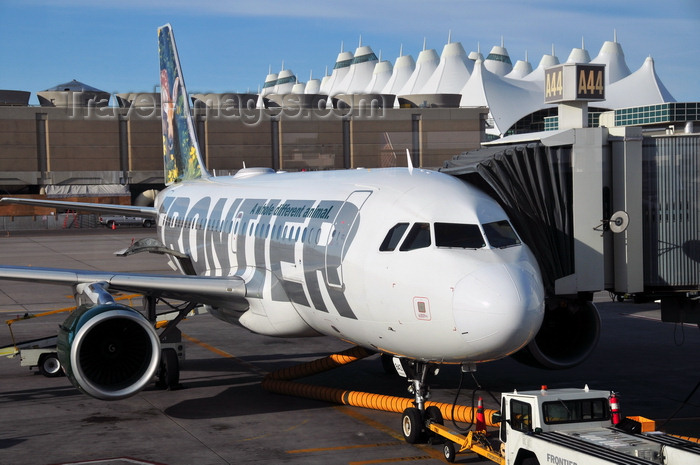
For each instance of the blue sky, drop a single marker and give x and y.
(229, 46)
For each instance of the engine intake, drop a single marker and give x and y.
(568, 335)
(108, 351)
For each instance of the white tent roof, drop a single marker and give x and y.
(521, 69)
(473, 56)
(426, 64)
(498, 61)
(485, 88)
(643, 87)
(313, 86)
(285, 82)
(451, 73)
(269, 86)
(360, 72)
(405, 64)
(612, 56)
(340, 70)
(579, 55)
(380, 76)
(509, 97)
(538, 73)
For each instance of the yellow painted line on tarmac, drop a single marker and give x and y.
(291, 428)
(394, 460)
(224, 354)
(325, 449)
(208, 347)
(368, 421)
(432, 452)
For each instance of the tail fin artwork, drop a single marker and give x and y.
(181, 155)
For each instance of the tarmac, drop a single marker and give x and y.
(221, 415)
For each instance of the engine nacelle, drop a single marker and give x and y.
(108, 351)
(568, 335)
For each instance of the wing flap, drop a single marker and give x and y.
(217, 291)
(126, 210)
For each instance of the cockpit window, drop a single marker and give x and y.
(466, 236)
(418, 237)
(393, 237)
(500, 234)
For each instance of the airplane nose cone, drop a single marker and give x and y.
(498, 309)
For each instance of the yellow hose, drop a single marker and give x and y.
(281, 382)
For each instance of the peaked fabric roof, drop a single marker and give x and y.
(73, 86)
(510, 92)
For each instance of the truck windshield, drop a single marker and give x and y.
(575, 411)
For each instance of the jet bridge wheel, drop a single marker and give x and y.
(169, 372)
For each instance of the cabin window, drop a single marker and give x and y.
(500, 234)
(520, 416)
(303, 236)
(393, 237)
(417, 238)
(465, 236)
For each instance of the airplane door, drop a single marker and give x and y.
(339, 236)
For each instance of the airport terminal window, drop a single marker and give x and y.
(466, 236)
(393, 237)
(570, 411)
(500, 234)
(418, 237)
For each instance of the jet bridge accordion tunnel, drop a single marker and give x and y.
(601, 209)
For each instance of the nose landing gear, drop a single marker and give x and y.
(415, 419)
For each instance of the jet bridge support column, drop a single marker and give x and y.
(628, 253)
(588, 147)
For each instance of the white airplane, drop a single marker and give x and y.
(411, 263)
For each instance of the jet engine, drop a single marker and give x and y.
(568, 335)
(108, 351)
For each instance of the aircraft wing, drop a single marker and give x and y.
(216, 291)
(126, 210)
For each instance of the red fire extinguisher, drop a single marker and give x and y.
(614, 408)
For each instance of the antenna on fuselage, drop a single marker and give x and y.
(409, 161)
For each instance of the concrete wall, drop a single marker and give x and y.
(107, 145)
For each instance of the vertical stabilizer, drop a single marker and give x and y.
(181, 156)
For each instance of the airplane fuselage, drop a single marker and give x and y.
(390, 259)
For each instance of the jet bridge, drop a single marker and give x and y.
(602, 209)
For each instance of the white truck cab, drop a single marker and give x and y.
(568, 427)
(573, 427)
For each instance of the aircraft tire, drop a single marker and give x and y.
(433, 415)
(411, 425)
(169, 373)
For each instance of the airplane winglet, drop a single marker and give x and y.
(182, 157)
(409, 161)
